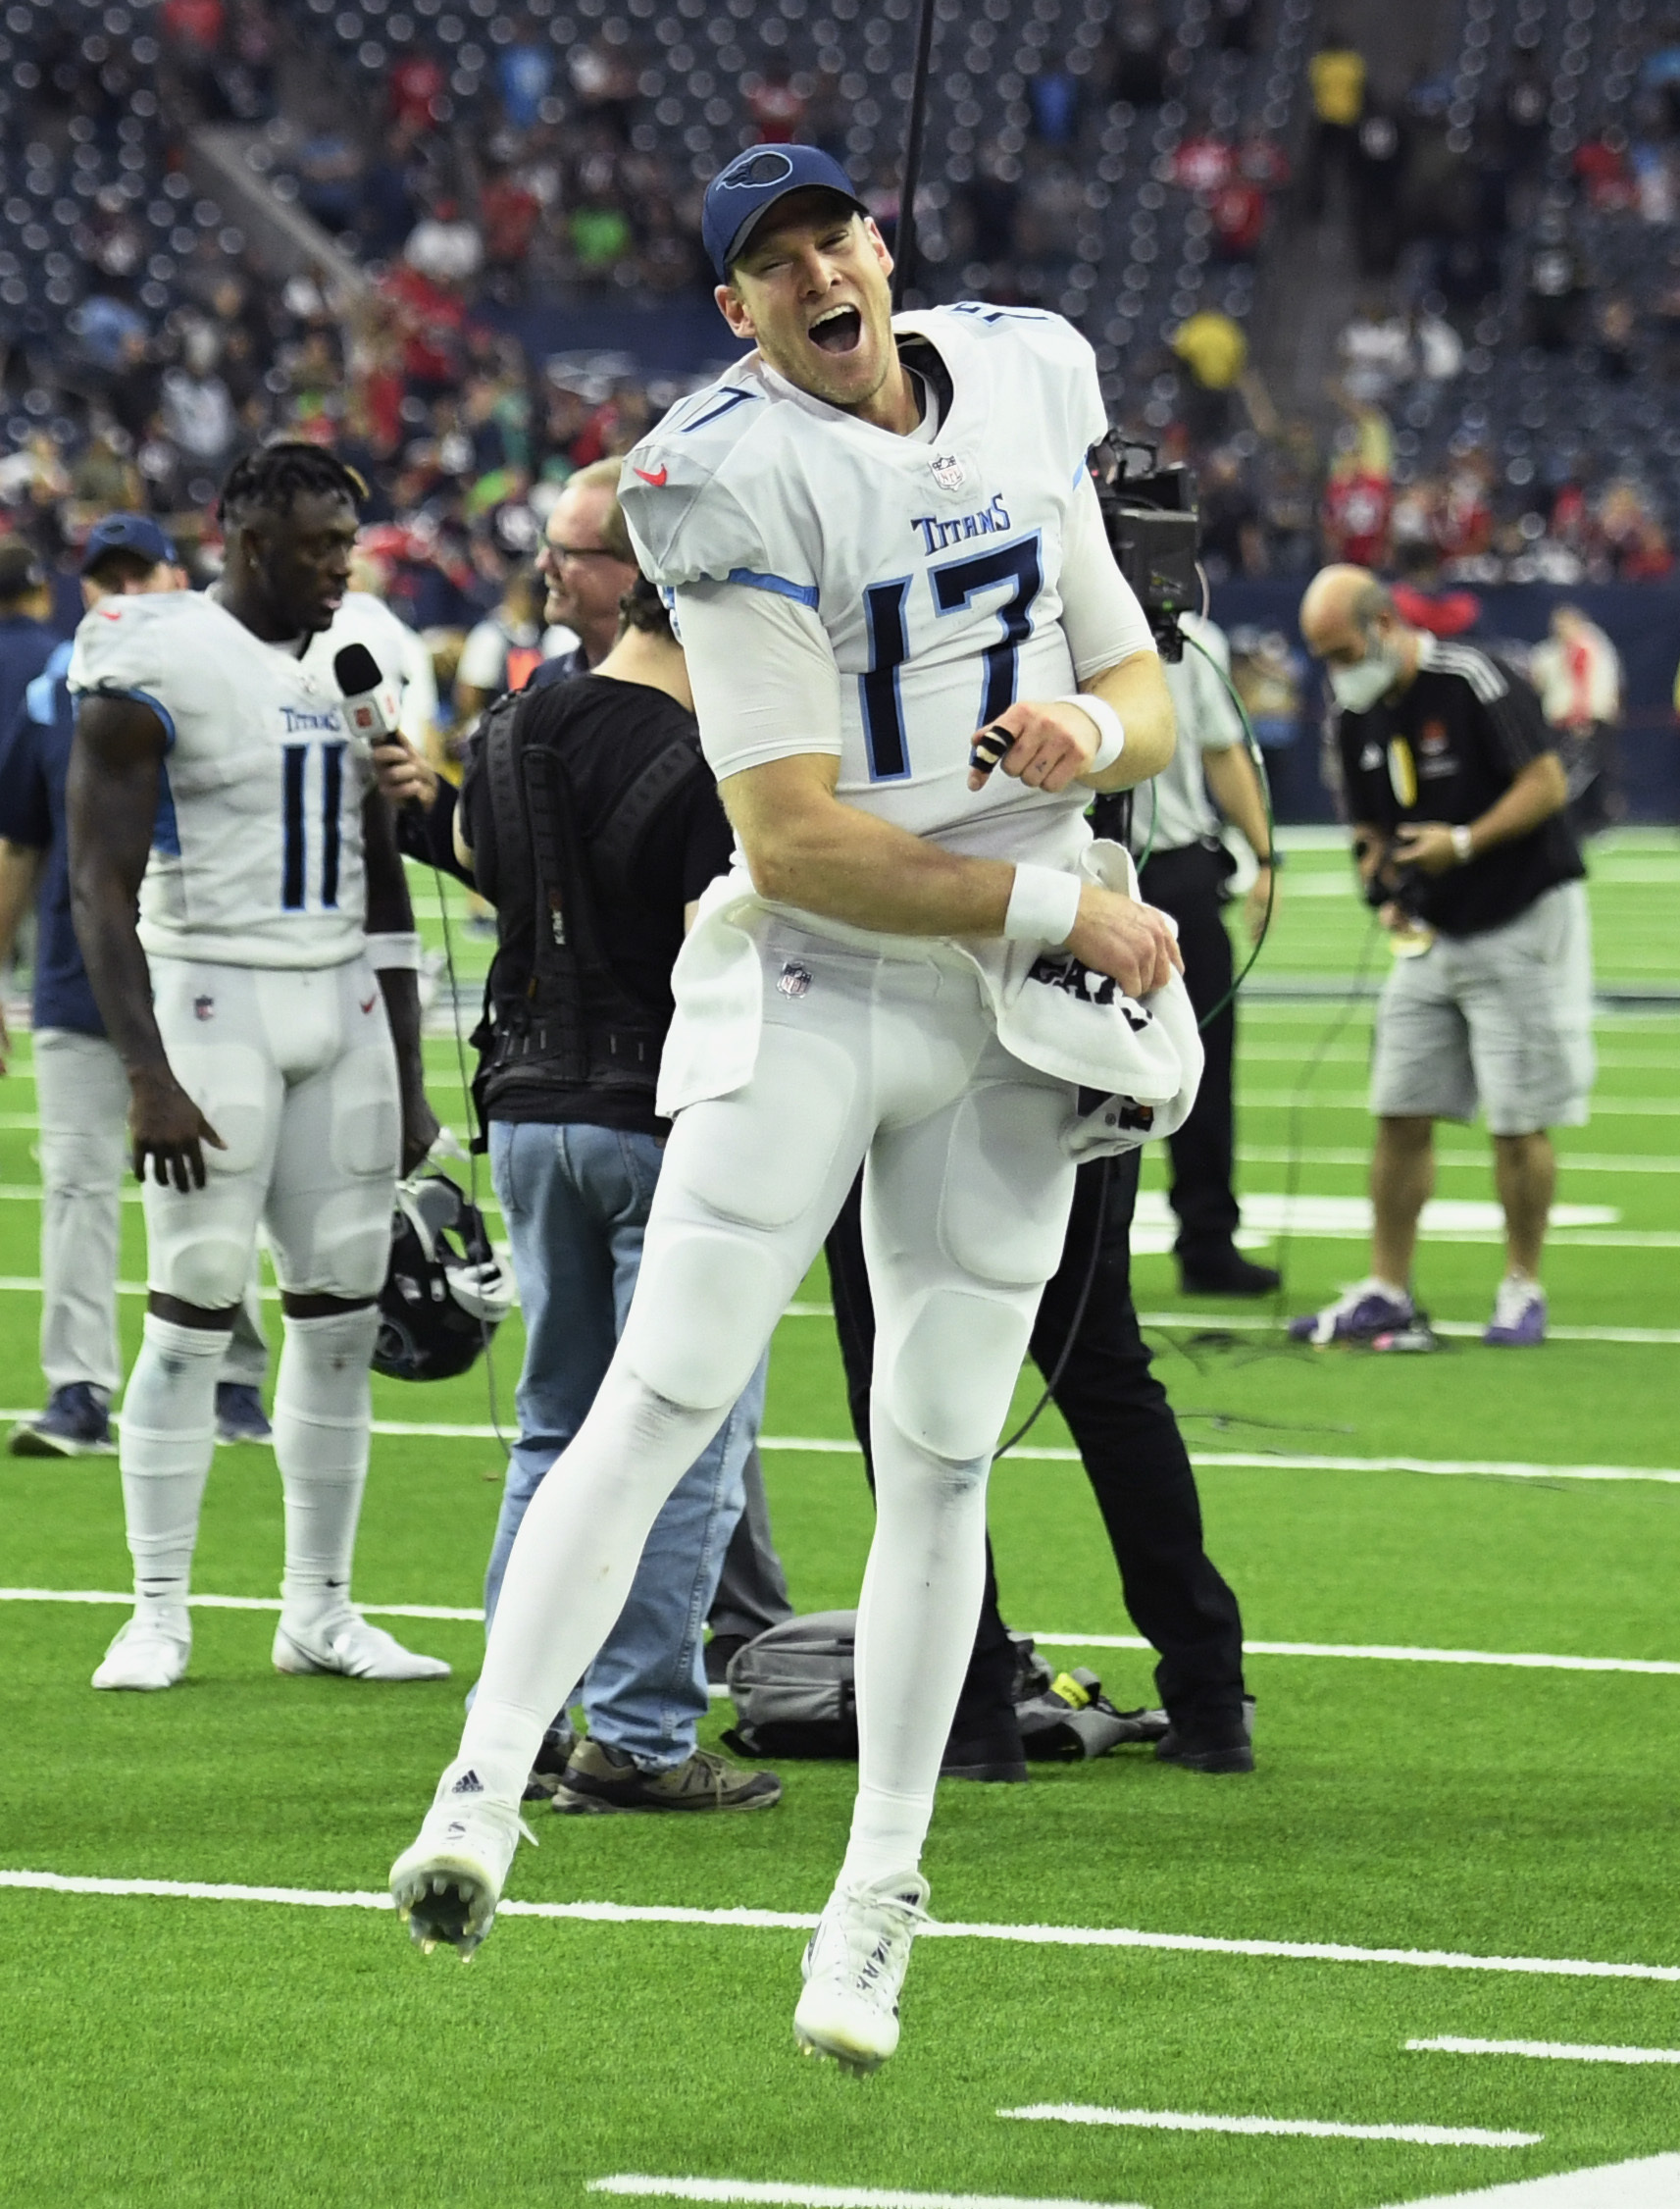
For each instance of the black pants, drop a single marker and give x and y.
(1190, 884)
(1134, 1456)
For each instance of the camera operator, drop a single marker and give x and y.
(1456, 797)
(1186, 873)
(590, 821)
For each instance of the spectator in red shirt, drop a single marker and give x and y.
(1202, 163)
(776, 109)
(1239, 213)
(415, 86)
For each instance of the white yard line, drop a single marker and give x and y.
(1300, 2128)
(1380, 1652)
(1356, 1101)
(818, 2197)
(1469, 1331)
(1570, 1161)
(802, 1921)
(1553, 2051)
(1394, 1653)
(1651, 2183)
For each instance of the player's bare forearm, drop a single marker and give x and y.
(1137, 692)
(391, 913)
(808, 848)
(805, 847)
(1053, 742)
(111, 804)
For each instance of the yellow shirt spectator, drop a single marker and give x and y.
(1213, 348)
(1337, 77)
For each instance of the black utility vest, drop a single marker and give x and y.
(572, 1023)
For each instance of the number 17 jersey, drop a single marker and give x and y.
(934, 566)
(257, 845)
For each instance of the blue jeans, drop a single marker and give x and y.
(575, 1201)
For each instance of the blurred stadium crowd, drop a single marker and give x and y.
(1499, 408)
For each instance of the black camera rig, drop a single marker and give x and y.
(1154, 528)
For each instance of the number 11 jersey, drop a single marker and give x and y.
(257, 845)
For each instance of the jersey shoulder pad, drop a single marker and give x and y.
(130, 643)
(1044, 347)
(715, 492)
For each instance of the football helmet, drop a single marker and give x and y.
(445, 1291)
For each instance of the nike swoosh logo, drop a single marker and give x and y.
(368, 1004)
(106, 614)
(655, 480)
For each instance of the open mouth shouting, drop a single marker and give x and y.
(837, 329)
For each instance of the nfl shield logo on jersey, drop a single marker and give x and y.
(947, 471)
(794, 980)
(203, 1007)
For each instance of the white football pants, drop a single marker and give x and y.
(966, 1196)
(296, 1070)
(81, 1095)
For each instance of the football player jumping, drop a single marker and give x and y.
(881, 536)
(266, 1008)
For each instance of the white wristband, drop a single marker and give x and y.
(394, 949)
(1044, 906)
(1110, 730)
(1464, 848)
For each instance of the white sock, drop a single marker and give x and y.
(571, 1566)
(1395, 1291)
(321, 1421)
(165, 1444)
(916, 1620)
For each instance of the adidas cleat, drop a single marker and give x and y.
(854, 1967)
(345, 1642)
(447, 1886)
(149, 1653)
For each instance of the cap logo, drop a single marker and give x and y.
(754, 171)
(947, 471)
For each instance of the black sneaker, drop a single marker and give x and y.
(1226, 1273)
(548, 1766)
(717, 1654)
(1222, 1746)
(992, 1750)
(77, 1424)
(239, 1413)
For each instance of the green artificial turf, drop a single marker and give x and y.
(166, 2051)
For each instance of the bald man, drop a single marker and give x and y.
(1456, 797)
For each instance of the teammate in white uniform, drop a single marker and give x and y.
(266, 1010)
(880, 538)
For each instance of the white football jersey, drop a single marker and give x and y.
(257, 848)
(934, 566)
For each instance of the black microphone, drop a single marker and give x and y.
(357, 674)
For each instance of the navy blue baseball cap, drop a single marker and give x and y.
(128, 533)
(739, 197)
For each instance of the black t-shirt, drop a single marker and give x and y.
(602, 726)
(1445, 749)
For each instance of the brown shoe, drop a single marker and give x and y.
(598, 1778)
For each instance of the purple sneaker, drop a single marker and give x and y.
(1519, 1317)
(1358, 1314)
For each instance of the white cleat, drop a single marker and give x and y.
(149, 1653)
(345, 1642)
(854, 1967)
(447, 1886)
